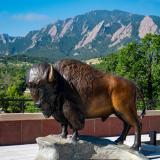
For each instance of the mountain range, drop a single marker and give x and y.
(85, 36)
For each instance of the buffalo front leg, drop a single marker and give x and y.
(75, 136)
(74, 117)
(64, 132)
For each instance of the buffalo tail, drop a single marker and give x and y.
(140, 92)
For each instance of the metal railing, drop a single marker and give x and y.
(16, 105)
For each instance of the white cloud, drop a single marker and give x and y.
(30, 17)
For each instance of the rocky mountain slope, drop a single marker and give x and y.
(93, 34)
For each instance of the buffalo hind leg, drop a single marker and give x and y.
(133, 120)
(137, 140)
(64, 132)
(125, 131)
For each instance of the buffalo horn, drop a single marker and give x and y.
(51, 74)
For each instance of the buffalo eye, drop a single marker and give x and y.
(31, 85)
(34, 91)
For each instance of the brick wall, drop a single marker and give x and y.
(25, 129)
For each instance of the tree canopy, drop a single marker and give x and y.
(139, 62)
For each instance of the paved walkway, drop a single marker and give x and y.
(29, 151)
(19, 152)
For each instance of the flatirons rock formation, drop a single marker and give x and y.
(85, 36)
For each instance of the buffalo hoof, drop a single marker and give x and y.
(119, 141)
(135, 147)
(74, 139)
(63, 135)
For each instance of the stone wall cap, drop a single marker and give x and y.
(39, 116)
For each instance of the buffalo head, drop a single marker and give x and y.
(40, 81)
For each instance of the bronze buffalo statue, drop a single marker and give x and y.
(71, 91)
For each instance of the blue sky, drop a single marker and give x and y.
(17, 17)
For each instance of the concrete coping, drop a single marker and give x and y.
(39, 116)
(21, 116)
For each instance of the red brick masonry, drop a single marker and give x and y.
(22, 129)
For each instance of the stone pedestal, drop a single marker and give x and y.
(53, 147)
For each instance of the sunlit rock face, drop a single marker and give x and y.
(120, 34)
(66, 27)
(52, 32)
(147, 25)
(90, 36)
